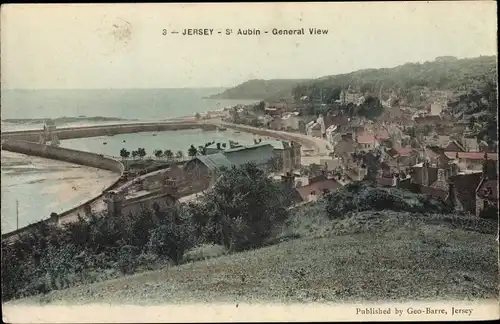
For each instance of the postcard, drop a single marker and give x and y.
(223, 162)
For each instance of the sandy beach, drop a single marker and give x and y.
(42, 186)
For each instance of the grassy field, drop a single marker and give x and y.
(369, 256)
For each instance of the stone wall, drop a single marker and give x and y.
(105, 130)
(67, 155)
(63, 154)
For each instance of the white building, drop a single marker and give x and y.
(436, 109)
(313, 129)
(330, 133)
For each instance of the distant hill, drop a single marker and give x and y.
(444, 73)
(258, 89)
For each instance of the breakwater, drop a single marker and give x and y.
(66, 155)
(106, 130)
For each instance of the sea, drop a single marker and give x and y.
(33, 187)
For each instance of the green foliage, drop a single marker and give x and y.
(168, 154)
(158, 153)
(127, 258)
(124, 153)
(371, 108)
(437, 75)
(193, 151)
(361, 196)
(479, 107)
(141, 152)
(242, 210)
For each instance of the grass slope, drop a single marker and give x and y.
(369, 256)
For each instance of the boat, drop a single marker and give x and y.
(221, 128)
(104, 143)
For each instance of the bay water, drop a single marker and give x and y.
(40, 186)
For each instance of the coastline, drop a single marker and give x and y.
(316, 144)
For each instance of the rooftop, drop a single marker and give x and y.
(366, 139)
(471, 155)
(318, 188)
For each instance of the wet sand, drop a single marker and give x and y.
(42, 186)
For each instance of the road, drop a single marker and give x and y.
(319, 146)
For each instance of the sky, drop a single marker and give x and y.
(122, 46)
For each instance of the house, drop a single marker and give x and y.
(487, 196)
(315, 189)
(432, 180)
(436, 109)
(288, 153)
(339, 120)
(443, 140)
(435, 156)
(202, 170)
(483, 147)
(487, 190)
(356, 125)
(470, 144)
(291, 122)
(321, 122)
(313, 129)
(471, 160)
(428, 120)
(366, 142)
(401, 158)
(331, 164)
(274, 112)
(462, 191)
(454, 146)
(265, 119)
(345, 147)
(330, 133)
(382, 135)
(276, 124)
(469, 192)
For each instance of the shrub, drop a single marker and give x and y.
(172, 239)
(243, 207)
(127, 259)
(363, 196)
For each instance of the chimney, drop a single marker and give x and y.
(396, 180)
(425, 174)
(485, 166)
(441, 175)
(451, 193)
(289, 180)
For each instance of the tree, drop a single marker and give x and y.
(135, 154)
(124, 153)
(197, 116)
(371, 108)
(192, 151)
(141, 152)
(202, 150)
(158, 153)
(168, 154)
(244, 206)
(179, 155)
